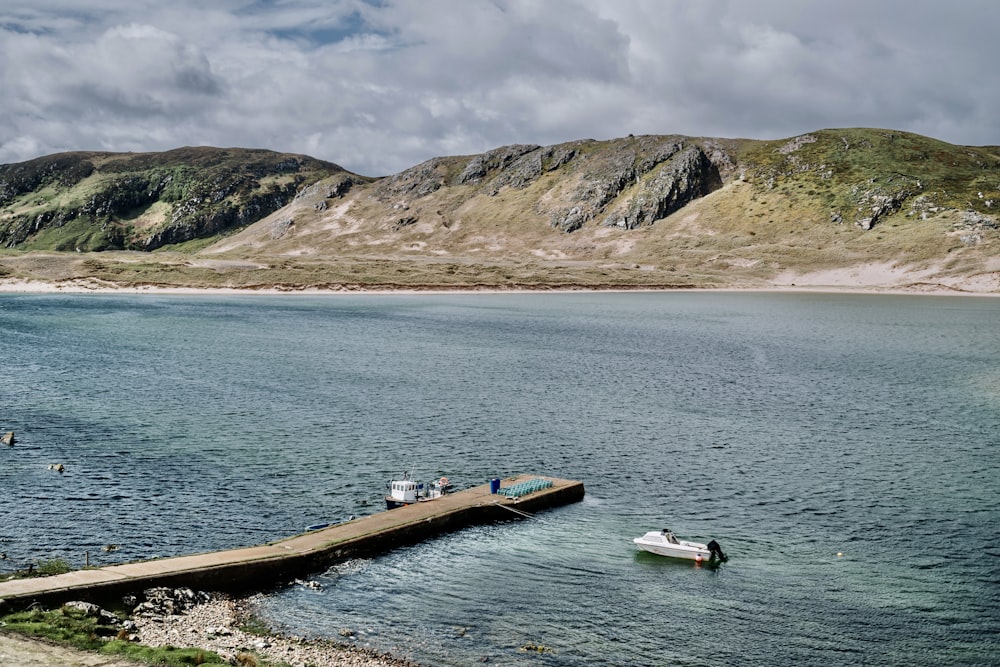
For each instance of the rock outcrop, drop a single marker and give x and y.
(643, 180)
(688, 175)
(880, 200)
(623, 183)
(498, 159)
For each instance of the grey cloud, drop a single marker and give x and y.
(141, 69)
(378, 87)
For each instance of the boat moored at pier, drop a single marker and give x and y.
(407, 491)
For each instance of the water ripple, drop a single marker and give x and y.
(831, 444)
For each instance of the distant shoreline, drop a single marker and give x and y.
(20, 286)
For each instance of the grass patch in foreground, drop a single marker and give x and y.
(164, 655)
(74, 628)
(45, 568)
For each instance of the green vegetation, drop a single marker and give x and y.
(100, 201)
(45, 568)
(77, 235)
(256, 626)
(52, 567)
(73, 627)
(190, 247)
(622, 213)
(840, 167)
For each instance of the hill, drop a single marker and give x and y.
(839, 207)
(143, 201)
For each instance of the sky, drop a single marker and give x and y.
(378, 86)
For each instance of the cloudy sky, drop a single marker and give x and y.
(380, 85)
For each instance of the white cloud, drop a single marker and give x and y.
(378, 87)
(138, 70)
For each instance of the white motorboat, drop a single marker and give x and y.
(664, 543)
(407, 491)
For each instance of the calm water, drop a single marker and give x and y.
(789, 427)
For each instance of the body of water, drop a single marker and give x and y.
(843, 449)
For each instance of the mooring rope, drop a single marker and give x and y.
(515, 511)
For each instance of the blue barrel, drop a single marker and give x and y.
(495, 485)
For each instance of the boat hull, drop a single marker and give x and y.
(391, 503)
(657, 544)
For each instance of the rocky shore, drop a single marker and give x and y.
(184, 618)
(214, 624)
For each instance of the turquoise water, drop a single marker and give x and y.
(789, 427)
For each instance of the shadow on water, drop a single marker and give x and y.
(654, 561)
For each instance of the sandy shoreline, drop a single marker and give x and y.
(85, 286)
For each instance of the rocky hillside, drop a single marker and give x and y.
(660, 211)
(103, 201)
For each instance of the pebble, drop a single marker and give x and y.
(215, 626)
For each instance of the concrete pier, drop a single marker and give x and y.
(269, 565)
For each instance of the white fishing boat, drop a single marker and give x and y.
(407, 491)
(665, 543)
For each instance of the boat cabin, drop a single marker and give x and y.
(403, 491)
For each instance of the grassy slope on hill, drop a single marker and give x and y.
(831, 199)
(101, 201)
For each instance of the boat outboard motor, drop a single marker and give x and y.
(716, 551)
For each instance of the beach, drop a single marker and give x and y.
(213, 626)
(872, 278)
